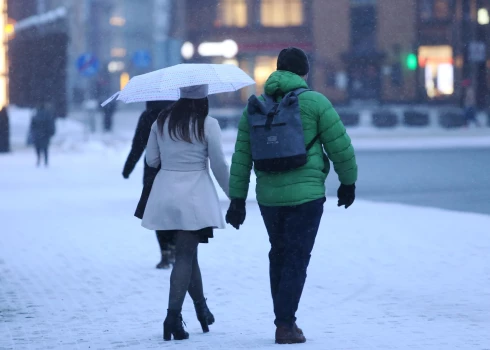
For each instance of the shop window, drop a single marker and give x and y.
(435, 9)
(282, 13)
(438, 66)
(264, 67)
(232, 13)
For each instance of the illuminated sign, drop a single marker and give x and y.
(227, 49)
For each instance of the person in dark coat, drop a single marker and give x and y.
(103, 89)
(140, 139)
(41, 131)
(109, 112)
(4, 131)
(470, 106)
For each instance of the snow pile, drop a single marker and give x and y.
(20, 120)
(72, 134)
(402, 138)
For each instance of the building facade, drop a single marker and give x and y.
(361, 51)
(37, 56)
(248, 33)
(127, 37)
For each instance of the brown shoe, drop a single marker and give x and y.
(299, 330)
(286, 335)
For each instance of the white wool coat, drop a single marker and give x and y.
(183, 196)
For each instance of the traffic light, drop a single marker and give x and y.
(411, 61)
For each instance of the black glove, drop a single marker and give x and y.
(346, 195)
(236, 213)
(125, 175)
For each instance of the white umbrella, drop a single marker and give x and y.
(165, 84)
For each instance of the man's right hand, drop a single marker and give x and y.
(236, 213)
(125, 175)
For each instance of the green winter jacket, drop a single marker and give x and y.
(307, 183)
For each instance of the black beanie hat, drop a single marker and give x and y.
(293, 60)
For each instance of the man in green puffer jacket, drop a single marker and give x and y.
(291, 202)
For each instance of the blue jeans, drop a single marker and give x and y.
(292, 232)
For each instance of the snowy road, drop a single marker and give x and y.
(76, 270)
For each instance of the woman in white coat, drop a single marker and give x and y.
(183, 141)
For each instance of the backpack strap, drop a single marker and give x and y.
(299, 91)
(312, 142)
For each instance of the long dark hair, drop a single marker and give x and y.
(184, 115)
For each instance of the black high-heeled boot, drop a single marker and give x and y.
(173, 326)
(171, 257)
(203, 314)
(164, 264)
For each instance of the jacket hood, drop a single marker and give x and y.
(281, 82)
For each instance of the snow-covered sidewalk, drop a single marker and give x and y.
(77, 270)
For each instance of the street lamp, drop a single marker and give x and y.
(483, 16)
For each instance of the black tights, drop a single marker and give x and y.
(186, 274)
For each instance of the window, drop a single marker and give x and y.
(363, 28)
(264, 67)
(437, 62)
(232, 13)
(281, 13)
(435, 9)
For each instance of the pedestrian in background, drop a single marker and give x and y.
(183, 197)
(108, 112)
(41, 130)
(470, 106)
(4, 130)
(140, 139)
(102, 87)
(290, 189)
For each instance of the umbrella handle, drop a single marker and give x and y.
(110, 99)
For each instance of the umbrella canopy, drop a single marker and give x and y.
(165, 84)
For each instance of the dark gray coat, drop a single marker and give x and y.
(42, 128)
(140, 139)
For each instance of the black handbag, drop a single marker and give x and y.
(149, 178)
(145, 195)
